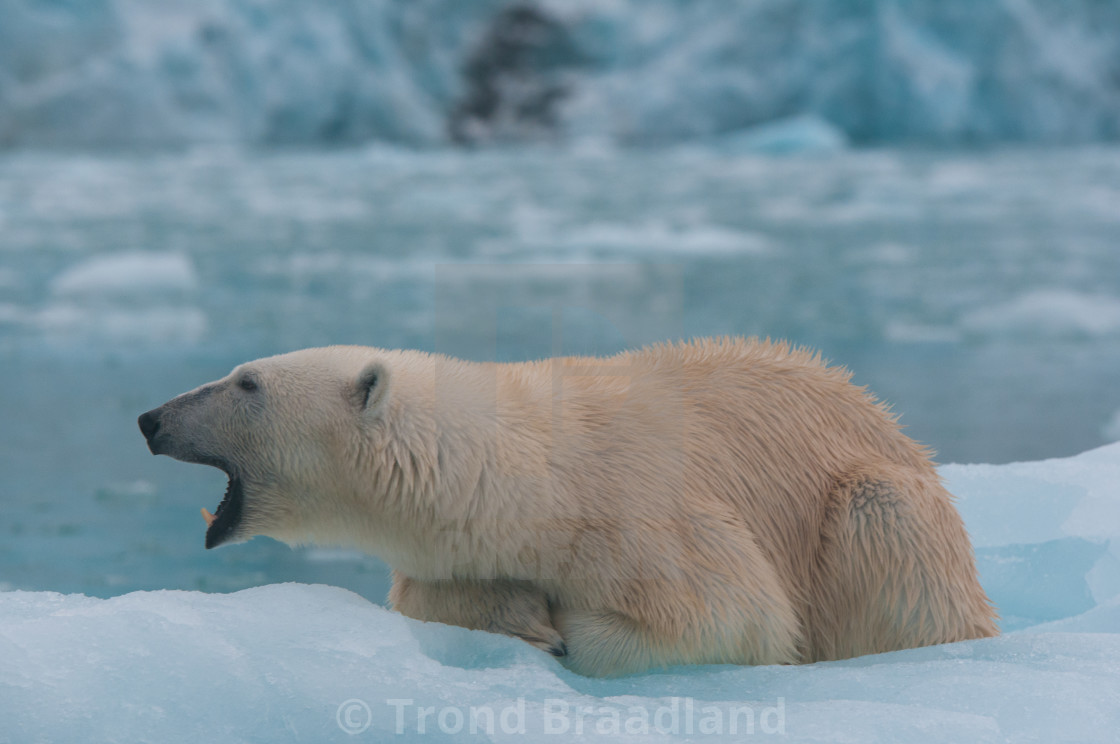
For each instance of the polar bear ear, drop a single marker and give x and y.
(371, 386)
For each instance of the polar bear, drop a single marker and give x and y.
(712, 501)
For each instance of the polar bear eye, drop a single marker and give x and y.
(248, 384)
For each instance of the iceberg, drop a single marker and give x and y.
(298, 662)
(160, 72)
(172, 72)
(123, 297)
(128, 273)
(800, 135)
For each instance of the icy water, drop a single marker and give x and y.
(979, 293)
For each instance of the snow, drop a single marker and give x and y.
(160, 72)
(298, 662)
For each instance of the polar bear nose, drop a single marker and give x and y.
(149, 424)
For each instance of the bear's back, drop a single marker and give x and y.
(752, 430)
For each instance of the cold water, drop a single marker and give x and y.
(978, 292)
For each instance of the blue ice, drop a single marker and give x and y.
(111, 72)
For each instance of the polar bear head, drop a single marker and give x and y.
(288, 432)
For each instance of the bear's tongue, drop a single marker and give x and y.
(225, 498)
(223, 524)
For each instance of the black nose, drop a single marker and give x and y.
(149, 424)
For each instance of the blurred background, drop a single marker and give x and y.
(926, 190)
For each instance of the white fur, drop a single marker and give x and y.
(715, 501)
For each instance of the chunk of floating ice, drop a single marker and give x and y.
(800, 135)
(1048, 313)
(128, 273)
(1111, 429)
(108, 320)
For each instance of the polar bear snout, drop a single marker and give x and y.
(149, 427)
(184, 429)
(160, 436)
(179, 429)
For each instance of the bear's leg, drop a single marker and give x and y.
(513, 608)
(606, 644)
(895, 568)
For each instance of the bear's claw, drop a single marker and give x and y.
(554, 646)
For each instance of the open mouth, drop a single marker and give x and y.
(223, 523)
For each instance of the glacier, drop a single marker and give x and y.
(300, 662)
(112, 73)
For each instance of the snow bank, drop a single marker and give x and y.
(266, 71)
(293, 662)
